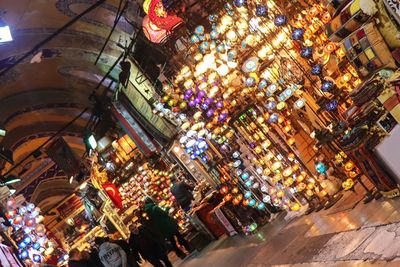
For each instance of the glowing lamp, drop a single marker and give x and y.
(291, 141)
(349, 166)
(309, 193)
(320, 167)
(24, 254)
(295, 207)
(236, 201)
(276, 165)
(280, 20)
(248, 194)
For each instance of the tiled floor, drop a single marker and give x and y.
(367, 235)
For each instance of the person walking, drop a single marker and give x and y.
(183, 193)
(132, 255)
(110, 254)
(76, 259)
(166, 225)
(150, 247)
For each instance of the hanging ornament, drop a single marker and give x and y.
(306, 52)
(297, 34)
(316, 69)
(300, 103)
(280, 20)
(326, 86)
(240, 3)
(331, 105)
(261, 10)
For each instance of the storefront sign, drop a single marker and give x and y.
(139, 91)
(140, 81)
(134, 130)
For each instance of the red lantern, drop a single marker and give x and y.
(17, 220)
(30, 222)
(160, 17)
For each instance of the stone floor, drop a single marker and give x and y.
(362, 235)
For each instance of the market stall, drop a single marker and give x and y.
(282, 93)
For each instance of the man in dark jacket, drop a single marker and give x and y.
(151, 248)
(182, 193)
(75, 259)
(166, 225)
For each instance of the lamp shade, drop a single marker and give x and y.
(160, 17)
(152, 32)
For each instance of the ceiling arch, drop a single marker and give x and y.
(38, 99)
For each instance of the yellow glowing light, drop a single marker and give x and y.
(260, 120)
(295, 207)
(280, 193)
(266, 144)
(270, 155)
(291, 141)
(287, 172)
(226, 20)
(300, 178)
(310, 193)
(198, 57)
(267, 172)
(223, 70)
(301, 186)
(276, 165)
(231, 35)
(346, 77)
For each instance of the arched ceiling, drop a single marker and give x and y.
(39, 98)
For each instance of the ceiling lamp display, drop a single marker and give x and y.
(245, 86)
(29, 232)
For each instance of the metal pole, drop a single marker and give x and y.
(46, 142)
(119, 15)
(40, 44)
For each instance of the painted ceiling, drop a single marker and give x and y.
(39, 98)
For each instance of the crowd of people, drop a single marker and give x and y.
(149, 240)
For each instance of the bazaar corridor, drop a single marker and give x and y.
(199, 133)
(367, 235)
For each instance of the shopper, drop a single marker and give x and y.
(183, 193)
(166, 225)
(151, 248)
(132, 255)
(110, 254)
(76, 260)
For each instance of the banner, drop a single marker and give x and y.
(60, 152)
(113, 193)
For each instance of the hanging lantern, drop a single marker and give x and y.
(152, 32)
(240, 3)
(297, 34)
(280, 20)
(261, 10)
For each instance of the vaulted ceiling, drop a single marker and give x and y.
(38, 99)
